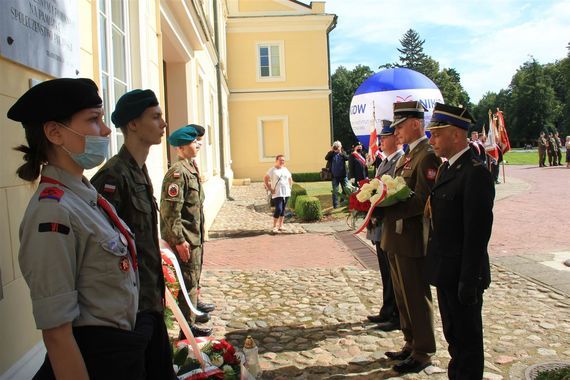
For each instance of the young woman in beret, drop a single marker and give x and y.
(76, 255)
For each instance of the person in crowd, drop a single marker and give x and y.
(125, 183)
(551, 150)
(542, 144)
(477, 147)
(336, 159)
(388, 318)
(357, 167)
(278, 181)
(461, 218)
(403, 239)
(568, 151)
(76, 255)
(182, 220)
(558, 148)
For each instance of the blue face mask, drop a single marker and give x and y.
(96, 151)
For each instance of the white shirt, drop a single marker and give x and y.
(415, 143)
(457, 155)
(279, 179)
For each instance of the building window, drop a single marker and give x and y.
(270, 61)
(113, 59)
(273, 137)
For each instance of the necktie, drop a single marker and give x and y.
(105, 206)
(443, 170)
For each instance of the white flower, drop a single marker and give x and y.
(217, 360)
(364, 194)
(375, 198)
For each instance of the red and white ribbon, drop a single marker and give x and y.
(371, 209)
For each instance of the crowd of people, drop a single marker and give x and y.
(98, 291)
(551, 146)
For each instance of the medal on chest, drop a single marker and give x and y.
(124, 264)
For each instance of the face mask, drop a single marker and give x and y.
(96, 151)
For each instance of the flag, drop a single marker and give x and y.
(503, 139)
(373, 142)
(491, 141)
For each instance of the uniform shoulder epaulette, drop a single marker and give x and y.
(51, 192)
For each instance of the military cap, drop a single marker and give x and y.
(404, 110)
(131, 105)
(387, 129)
(183, 136)
(445, 115)
(200, 131)
(56, 99)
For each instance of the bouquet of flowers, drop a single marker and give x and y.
(382, 192)
(220, 358)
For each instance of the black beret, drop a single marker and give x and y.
(56, 99)
(199, 129)
(131, 105)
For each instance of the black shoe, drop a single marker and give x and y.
(410, 365)
(377, 318)
(206, 307)
(398, 355)
(201, 331)
(388, 326)
(203, 318)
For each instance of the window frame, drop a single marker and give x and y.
(260, 137)
(271, 78)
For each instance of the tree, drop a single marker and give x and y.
(449, 83)
(344, 83)
(412, 50)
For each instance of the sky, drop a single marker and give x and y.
(486, 41)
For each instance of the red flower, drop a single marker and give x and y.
(168, 275)
(355, 204)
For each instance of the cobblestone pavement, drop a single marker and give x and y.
(304, 297)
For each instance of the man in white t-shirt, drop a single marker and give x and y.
(278, 181)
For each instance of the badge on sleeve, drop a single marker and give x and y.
(176, 174)
(173, 190)
(430, 174)
(53, 227)
(108, 188)
(51, 193)
(124, 264)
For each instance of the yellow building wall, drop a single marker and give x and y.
(18, 332)
(261, 5)
(308, 134)
(305, 56)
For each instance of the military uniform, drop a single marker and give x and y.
(542, 151)
(461, 213)
(182, 219)
(79, 270)
(552, 154)
(403, 240)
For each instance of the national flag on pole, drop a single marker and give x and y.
(491, 142)
(373, 142)
(503, 139)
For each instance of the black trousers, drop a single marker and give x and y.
(158, 353)
(109, 353)
(389, 310)
(463, 330)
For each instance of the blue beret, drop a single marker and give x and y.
(183, 136)
(131, 105)
(445, 115)
(56, 99)
(387, 130)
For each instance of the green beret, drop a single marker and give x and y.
(56, 99)
(131, 105)
(200, 131)
(183, 136)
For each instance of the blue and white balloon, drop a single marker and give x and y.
(381, 91)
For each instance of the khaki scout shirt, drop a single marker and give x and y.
(76, 264)
(128, 187)
(181, 201)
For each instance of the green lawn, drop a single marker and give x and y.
(322, 190)
(521, 157)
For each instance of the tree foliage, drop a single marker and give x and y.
(344, 83)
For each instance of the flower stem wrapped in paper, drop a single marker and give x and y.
(382, 192)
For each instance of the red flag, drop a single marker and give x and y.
(503, 139)
(373, 142)
(491, 142)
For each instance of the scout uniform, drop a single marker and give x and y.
(461, 204)
(77, 257)
(182, 219)
(403, 240)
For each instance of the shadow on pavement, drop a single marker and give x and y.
(378, 369)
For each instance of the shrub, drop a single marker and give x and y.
(307, 177)
(296, 190)
(308, 208)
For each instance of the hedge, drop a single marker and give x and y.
(308, 208)
(296, 190)
(307, 177)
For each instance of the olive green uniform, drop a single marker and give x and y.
(128, 187)
(542, 151)
(182, 219)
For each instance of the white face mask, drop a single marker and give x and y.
(96, 150)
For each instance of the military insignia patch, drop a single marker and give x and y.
(53, 227)
(108, 188)
(173, 190)
(124, 264)
(176, 174)
(430, 174)
(51, 193)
